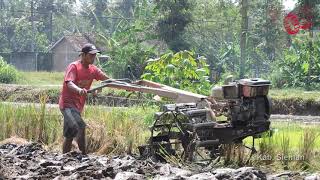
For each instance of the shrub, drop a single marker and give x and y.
(183, 70)
(8, 73)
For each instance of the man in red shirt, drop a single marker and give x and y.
(77, 80)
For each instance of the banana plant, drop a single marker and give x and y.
(183, 70)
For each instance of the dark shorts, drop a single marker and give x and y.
(72, 121)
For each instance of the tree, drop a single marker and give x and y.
(215, 34)
(309, 14)
(175, 16)
(266, 39)
(243, 39)
(17, 32)
(131, 43)
(127, 8)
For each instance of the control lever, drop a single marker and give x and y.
(125, 82)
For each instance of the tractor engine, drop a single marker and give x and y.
(246, 101)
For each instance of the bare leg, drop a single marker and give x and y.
(67, 144)
(81, 140)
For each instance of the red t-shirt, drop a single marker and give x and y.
(82, 77)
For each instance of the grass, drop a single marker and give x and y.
(109, 131)
(121, 129)
(29, 122)
(294, 94)
(293, 146)
(41, 78)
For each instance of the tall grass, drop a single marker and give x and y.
(29, 122)
(122, 129)
(292, 146)
(307, 146)
(110, 130)
(285, 150)
(234, 155)
(267, 149)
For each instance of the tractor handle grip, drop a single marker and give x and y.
(108, 81)
(96, 88)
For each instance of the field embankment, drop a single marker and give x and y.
(294, 102)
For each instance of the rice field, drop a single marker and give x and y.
(116, 130)
(290, 145)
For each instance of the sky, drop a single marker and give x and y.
(289, 4)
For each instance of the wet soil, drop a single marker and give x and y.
(31, 161)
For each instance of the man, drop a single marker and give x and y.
(77, 80)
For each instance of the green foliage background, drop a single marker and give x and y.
(8, 73)
(293, 69)
(133, 31)
(183, 70)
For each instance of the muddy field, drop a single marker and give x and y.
(31, 161)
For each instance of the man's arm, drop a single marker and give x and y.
(105, 77)
(70, 77)
(76, 88)
(101, 76)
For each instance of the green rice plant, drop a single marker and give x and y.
(266, 149)
(6, 122)
(307, 146)
(289, 143)
(285, 146)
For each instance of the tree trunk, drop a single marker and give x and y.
(270, 36)
(243, 38)
(310, 47)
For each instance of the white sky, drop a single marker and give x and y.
(289, 4)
